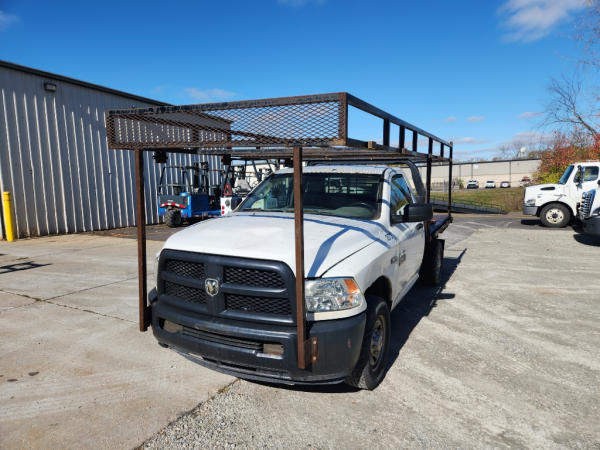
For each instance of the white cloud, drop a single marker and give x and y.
(530, 20)
(475, 119)
(208, 95)
(528, 114)
(469, 141)
(6, 20)
(450, 119)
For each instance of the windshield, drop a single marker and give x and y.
(566, 175)
(333, 194)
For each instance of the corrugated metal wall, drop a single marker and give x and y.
(55, 162)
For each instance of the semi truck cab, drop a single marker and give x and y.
(557, 204)
(589, 212)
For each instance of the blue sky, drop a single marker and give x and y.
(473, 71)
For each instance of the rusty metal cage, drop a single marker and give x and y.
(270, 125)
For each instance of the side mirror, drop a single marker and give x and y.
(414, 212)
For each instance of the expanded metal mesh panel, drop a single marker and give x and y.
(253, 277)
(308, 120)
(268, 305)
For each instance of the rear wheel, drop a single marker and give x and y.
(555, 215)
(173, 218)
(372, 362)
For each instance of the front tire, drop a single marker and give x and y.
(373, 360)
(173, 218)
(555, 215)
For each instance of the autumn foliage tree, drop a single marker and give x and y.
(565, 150)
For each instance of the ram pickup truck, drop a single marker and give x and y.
(225, 293)
(589, 212)
(557, 204)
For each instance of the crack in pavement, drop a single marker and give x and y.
(49, 300)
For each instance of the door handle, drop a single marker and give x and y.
(419, 225)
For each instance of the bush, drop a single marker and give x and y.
(565, 151)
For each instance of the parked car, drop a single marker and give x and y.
(505, 184)
(525, 181)
(473, 184)
(490, 184)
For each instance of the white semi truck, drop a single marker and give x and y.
(589, 211)
(225, 287)
(557, 204)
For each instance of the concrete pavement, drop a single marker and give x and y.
(75, 372)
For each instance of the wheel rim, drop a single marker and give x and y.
(377, 342)
(554, 215)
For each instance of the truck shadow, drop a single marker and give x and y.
(587, 239)
(418, 303)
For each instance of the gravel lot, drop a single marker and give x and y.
(505, 355)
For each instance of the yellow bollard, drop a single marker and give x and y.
(9, 224)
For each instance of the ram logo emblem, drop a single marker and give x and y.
(211, 286)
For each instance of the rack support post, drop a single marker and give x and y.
(144, 316)
(450, 180)
(429, 158)
(307, 349)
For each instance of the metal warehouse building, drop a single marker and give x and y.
(54, 159)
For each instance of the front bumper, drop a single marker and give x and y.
(530, 210)
(235, 346)
(591, 226)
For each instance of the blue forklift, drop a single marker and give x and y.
(187, 195)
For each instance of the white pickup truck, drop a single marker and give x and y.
(557, 204)
(589, 212)
(225, 293)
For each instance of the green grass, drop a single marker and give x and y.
(510, 199)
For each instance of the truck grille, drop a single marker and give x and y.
(185, 269)
(263, 290)
(586, 204)
(222, 339)
(253, 277)
(266, 305)
(185, 293)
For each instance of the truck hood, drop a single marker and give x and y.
(546, 189)
(327, 240)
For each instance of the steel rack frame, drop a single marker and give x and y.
(293, 129)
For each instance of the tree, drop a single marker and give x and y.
(573, 109)
(588, 32)
(568, 111)
(565, 150)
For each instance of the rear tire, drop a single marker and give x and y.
(431, 269)
(373, 360)
(173, 218)
(555, 215)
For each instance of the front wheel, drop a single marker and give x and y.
(555, 215)
(372, 362)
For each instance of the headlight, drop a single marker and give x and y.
(530, 202)
(156, 259)
(332, 294)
